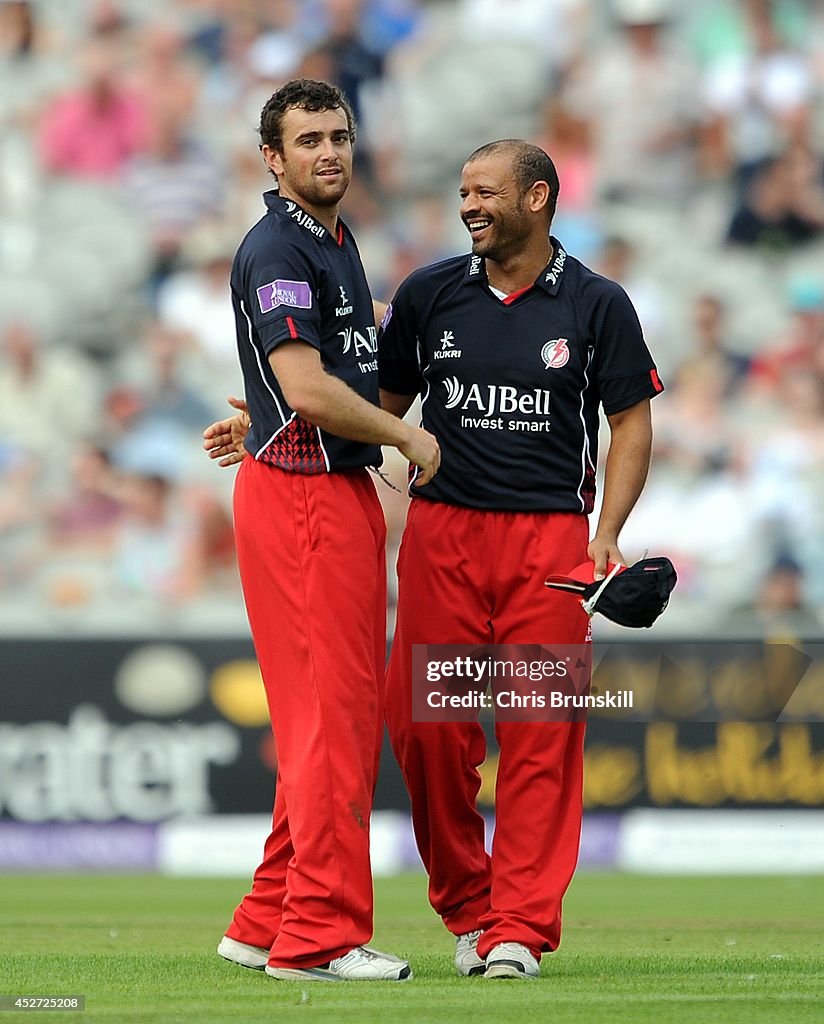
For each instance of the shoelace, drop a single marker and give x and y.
(513, 947)
(357, 953)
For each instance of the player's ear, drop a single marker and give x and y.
(273, 159)
(538, 196)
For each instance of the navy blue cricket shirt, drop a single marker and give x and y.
(294, 280)
(512, 388)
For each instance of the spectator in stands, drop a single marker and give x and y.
(213, 557)
(166, 76)
(352, 64)
(20, 526)
(695, 433)
(139, 444)
(93, 131)
(108, 20)
(18, 29)
(783, 205)
(176, 185)
(712, 353)
(48, 398)
(156, 411)
(86, 516)
(800, 348)
(787, 470)
(33, 64)
(639, 94)
(568, 137)
(618, 260)
(170, 399)
(192, 301)
(155, 554)
(172, 541)
(779, 608)
(559, 27)
(759, 101)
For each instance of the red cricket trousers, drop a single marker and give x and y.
(468, 576)
(312, 564)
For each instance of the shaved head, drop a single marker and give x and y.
(529, 164)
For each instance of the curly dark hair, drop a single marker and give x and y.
(306, 94)
(529, 164)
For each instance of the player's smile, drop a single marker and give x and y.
(477, 225)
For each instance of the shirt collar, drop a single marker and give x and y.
(281, 207)
(549, 279)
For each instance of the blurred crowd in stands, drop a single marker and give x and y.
(689, 139)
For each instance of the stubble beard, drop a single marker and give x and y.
(329, 195)
(316, 193)
(509, 234)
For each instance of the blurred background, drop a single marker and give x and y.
(689, 139)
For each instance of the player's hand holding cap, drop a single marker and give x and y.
(632, 595)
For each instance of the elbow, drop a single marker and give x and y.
(303, 382)
(305, 402)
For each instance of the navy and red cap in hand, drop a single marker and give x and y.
(632, 595)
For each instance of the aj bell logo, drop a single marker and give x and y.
(557, 268)
(354, 341)
(491, 399)
(555, 354)
(305, 221)
(448, 350)
(345, 307)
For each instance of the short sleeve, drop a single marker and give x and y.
(280, 294)
(399, 369)
(624, 369)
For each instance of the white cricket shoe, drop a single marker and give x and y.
(511, 960)
(359, 964)
(467, 961)
(240, 953)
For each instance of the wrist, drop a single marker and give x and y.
(606, 535)
(403, 434)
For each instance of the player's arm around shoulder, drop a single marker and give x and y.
(326, 401)
(223, 441)
(379, 310)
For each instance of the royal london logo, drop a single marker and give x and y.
(447, 349)
(555, 354)
(345, 307)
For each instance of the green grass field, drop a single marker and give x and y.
(636, 949)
